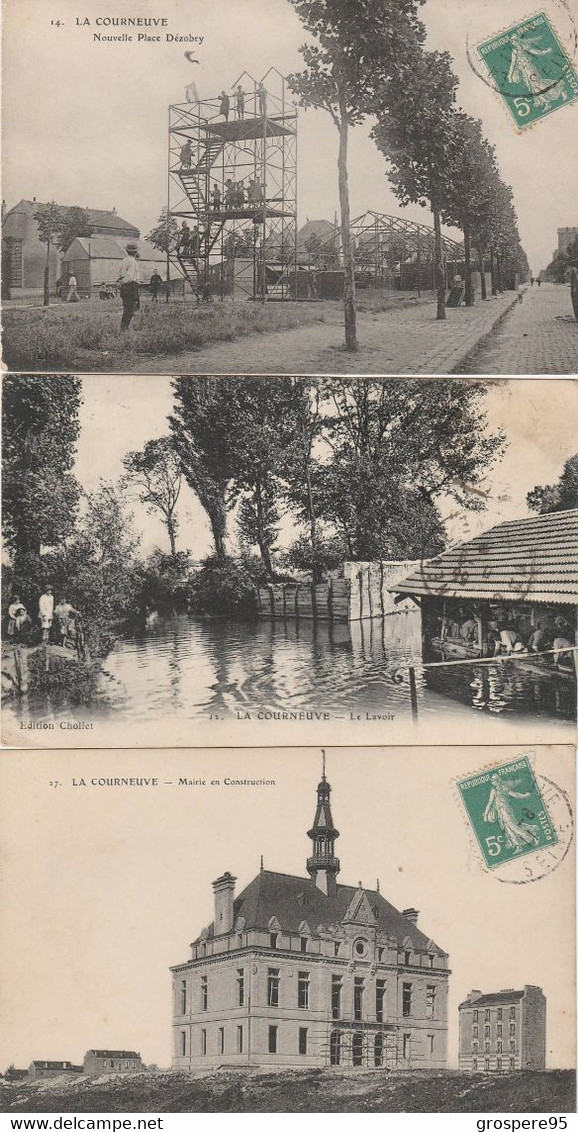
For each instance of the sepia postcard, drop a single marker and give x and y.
(279, 561)
(340, 931)
(279, 186)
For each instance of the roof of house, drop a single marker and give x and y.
(124, 1053)
(295, 900)
(319, 228)
(54, 1065)
(110, 247)
(500, 998)
(533, 559)
(17, 218)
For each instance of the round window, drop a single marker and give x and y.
(360, 947)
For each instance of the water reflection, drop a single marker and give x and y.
(186, 668)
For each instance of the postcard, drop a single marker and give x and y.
(274, 186)
(199, 935)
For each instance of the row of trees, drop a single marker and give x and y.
(367, 59)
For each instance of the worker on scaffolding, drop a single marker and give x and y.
(239, 194)
(216, 197)
(194, 242)
(229, 193)
(225, 105)
(186, 155)
(261, 94)
(240, 97)
(183, 239)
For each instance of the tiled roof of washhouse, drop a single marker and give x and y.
(295, 900)
(533, 559)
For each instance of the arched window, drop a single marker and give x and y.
(357, 1048)
(335, 1048)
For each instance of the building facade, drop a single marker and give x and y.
(303, 971)
(41, 1069)
(111, 1061)
(504, 1031)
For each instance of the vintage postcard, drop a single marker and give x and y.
(276, 561)
(282, 186)
(216, 927)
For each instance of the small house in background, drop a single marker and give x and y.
(97, 259)
(40, 1069)
(112, 1061)
(24, 254)
(502, 1032)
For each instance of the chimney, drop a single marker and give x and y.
(411, 914)
(224, 890)
(473, 995)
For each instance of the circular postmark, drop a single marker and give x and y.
(533, 866)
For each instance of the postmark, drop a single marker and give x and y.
(530, 69)
(521, 823)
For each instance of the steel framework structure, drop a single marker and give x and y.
(234, 176)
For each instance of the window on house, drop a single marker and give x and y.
(487, 1065)
(378, 1050)
(183, 996)
(336, 947)
(499, 1064)
(221, 1039)
(512, 1012)
(335, 1048)
(239, 1039)
(513, 1028)
(512, 1044)
(486, 1031)
(486, 1047)
(430, 1044)
(379, 999)
(303, 944)
(475, 1031)
(203, 1042)
(273, 939)
(406, 1000)
(183, 1042)
(487, 1014)
(302, 1039)
(499, 1030)
(476, 1015)
(204, 993)
(380, 954)
(273, 986)
(475, 1045)
(500, 1047)
(303, 990)
(336, 985)
(430, 999)
(240, 986)
(272, 1039)
(407, 958)
(431, 960)
(358, 988)
(499, 1013)
(512, 1063)
(474, 1063)
(406, 1046)
(357, 1048)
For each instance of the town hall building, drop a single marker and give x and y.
(303, 971)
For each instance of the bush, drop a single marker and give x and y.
(329, 554)
(163, 583)
(223, 588)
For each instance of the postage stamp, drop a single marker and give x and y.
(530, 69)
(507, 812)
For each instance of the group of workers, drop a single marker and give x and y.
(236, 196)
(523, 633)
(239, 96)
(61, 622)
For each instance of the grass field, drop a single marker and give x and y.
(86, 337)
(314, 1090)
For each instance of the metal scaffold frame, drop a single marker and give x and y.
(232, 184)
(371, 1045)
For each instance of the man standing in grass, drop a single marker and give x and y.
(129, 279)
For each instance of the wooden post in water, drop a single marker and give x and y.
(413, 694)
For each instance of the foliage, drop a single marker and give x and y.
(163, 583)
(222, 588)
(164, 235)
(561, 496)
(40, 427)
(557, 269)
(328, 554)
(157, 475)
(74, 222)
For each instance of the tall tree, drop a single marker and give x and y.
(560, 496)
(156, 473)
(413, 131)
(358, 45)
(74, 222)
(301, 462)
(48, 218)
(165, 232)
(40, 427)
(470, 182)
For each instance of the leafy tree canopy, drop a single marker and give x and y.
(561, 496)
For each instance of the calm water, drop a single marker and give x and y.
(186, 668)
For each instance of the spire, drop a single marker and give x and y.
(323, 865)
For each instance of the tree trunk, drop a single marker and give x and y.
(440, 273)
(261, 540)
(493, 271)
(171, 530)
(469, 291)
(483, 289)
(47, 276)
(499, 282)
(346, 248)
(218, 527)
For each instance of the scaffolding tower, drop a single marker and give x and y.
(371, 1045)
(232, 191)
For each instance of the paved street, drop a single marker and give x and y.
(539, 335)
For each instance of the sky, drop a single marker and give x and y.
(104, 887)
(538, 416)
(85, 122)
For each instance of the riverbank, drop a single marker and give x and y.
(45, 669)
(312, 1090)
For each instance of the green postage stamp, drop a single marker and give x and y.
(530, 69)
(507, 812)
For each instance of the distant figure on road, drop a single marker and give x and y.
(186, 155)
(225, 106)
(539, 281)
(129, 279)
(240, 97)
(46, 612)
(72, 296)
(155, 286)
(532, 281)
(262, 100)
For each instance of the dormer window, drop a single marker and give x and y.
(273, 937)
(303, 939)
(407, 958)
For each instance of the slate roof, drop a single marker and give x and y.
(125, 1053)
(500, 998)
(293, 900)
(55, 1065)
(533, 559)
(17, 219)
(111, 247)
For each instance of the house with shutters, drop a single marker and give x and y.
(305, 971)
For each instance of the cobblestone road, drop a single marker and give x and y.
(409, 341)
(539, 335)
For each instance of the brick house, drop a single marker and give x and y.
(504, 1031)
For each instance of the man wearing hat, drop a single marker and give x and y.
(129, 279)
